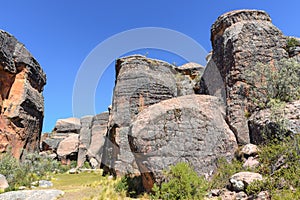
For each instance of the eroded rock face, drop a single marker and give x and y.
(140, 82)
(21, 101)
(266, 124)
(190, 128)
(68, 149)
(240, 39)
(92, 138)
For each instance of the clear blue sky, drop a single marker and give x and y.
(61, 33)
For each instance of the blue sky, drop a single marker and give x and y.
(61, 34)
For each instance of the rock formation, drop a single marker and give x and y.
(240, 39)
(92, 138)
(140, 82)
(80, 140)
(21, 101)
(190, 128)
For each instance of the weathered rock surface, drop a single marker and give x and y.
(240, 39)
(92, 138)
(249, 150)
(140, 82)
(3, 182)
(21, 100)
(241, 180)
(251, 163)
(69, 125)
(68, 149)
(32, 194)
(190, 128)
(265, 124)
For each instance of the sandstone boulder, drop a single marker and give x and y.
(32, 194)
(190, 128)
(240, 39)
(3, 182)
(68, 125)
(140, 82)
(266, 124)
(68, 149)
(21, 101)
(249, 150)
(92, 138)
(241, 180)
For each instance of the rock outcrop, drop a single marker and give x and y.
(92, 138)
(240, 39)
(140, 82)
(190, 128)
(32, 194)
(74, 139)
(21, 101)
(68, 149)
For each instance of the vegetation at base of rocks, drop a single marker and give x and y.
(34, 167)
(280, 167)
(291, 43)
(279, 81)
(182, 183)
(224, 171)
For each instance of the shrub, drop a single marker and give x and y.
(291, 43)
(34, 167)
(182, 183)
(280, 167)
(280, 81)
(224, 171)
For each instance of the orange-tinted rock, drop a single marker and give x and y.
(21, 100)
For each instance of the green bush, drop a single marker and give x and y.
(280, 167)
(280, 81)
(224, 171)
(292, 43)
(34, 167)
(182, 183)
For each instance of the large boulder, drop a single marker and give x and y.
(240, 39)
(3, 182)
(68, 149)
(68, 125)
(140, 82)
(190, 128)
(267, 124)
(32, 194)
(21, 101)
(92, 138)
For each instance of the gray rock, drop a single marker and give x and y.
(241, 180)
(51, 144)
(21, 101)
(92, 138)
(42, 183)
(69, 125)
(264, 195)
(32, 194)
(237, 185)
(73, 171)
(140, 82)
(249, 150)
(191, 129)
(68, 149)
(240, 39)
(84, 139)
(3, 182)
(241, 196)
(251, 163)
